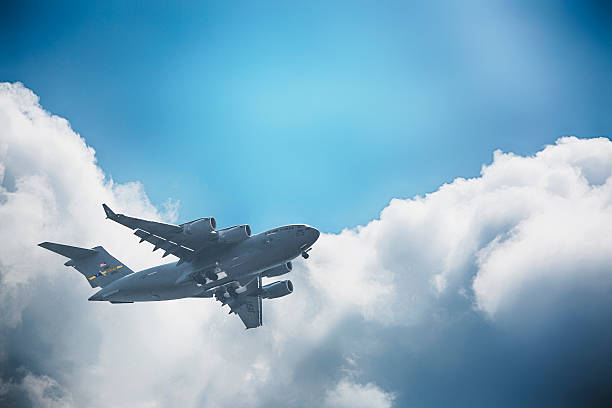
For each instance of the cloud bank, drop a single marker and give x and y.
(495, 290)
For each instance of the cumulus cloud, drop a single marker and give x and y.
(489, 290)
(528, 230)
(349, 395)
(38, 391)
(45, 392)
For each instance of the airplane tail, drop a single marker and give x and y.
(98, 266)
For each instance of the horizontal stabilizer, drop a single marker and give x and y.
(68, 251)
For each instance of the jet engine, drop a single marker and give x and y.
(235, 234)
(278, 270)
(277, 289)
(200, 228)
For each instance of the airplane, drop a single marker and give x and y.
(227, 264)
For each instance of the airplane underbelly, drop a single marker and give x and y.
(155, 293)
(249, 265)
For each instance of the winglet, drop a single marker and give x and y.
(109, 213)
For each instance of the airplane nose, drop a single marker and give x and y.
(314, 234)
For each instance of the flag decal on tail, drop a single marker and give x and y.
(101, 273)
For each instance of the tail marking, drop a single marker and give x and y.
(101, 273)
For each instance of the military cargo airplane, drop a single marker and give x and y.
(227, 264)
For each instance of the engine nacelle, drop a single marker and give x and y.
(278, 270)
(277, 289)
(200, 228)
(235, 235)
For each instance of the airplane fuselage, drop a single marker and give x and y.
(253, 256)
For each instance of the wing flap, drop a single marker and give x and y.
(169, 247)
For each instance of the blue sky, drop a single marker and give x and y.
(319, 113)
(492, 292)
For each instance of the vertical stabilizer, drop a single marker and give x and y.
(98, 266)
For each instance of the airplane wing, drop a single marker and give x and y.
(171, 238)
(249, 311)
(158, 228)
(247, 303)
(169, 247)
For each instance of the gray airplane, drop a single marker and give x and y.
(227, 264)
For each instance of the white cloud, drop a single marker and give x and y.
(45, 392)
(529, 229)
(39, 391)
(527, 235)
(350, 395)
